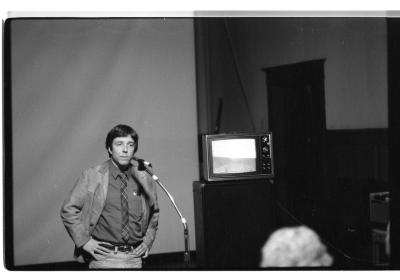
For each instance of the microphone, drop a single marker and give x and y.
(142, 163)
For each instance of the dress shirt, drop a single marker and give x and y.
(109, 225)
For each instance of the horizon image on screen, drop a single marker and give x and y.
(233, 156)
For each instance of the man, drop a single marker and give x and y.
(112, 212)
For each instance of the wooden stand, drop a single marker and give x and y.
(233, 220)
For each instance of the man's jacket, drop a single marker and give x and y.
(82, 208)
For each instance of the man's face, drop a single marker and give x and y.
(122, 150)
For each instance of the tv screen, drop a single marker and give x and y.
(233, 156)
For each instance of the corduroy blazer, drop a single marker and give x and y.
(82, 208)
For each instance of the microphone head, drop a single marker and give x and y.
(142, 163)
(141, 166)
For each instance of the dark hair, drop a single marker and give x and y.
(122, 130)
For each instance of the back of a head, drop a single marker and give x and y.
(294, 247)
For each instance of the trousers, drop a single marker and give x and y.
(117, 260)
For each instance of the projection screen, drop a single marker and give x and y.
(72, 80)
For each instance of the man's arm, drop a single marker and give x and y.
(74, 208)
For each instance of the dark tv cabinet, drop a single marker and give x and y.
(233, 219)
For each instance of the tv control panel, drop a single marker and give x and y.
(266, 154)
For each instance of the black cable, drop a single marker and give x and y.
(238, 74)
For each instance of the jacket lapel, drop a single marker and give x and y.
(101, 194)
(143, 178)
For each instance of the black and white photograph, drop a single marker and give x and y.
(205, 141)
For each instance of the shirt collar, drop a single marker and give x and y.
(115, 171)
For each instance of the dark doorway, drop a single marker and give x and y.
(297, 121)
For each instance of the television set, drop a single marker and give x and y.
(237, 156)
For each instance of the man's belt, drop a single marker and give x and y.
(125, 248)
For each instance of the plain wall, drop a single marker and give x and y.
(355, 67)
(72, 81)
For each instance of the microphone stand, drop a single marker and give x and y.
(183, 220)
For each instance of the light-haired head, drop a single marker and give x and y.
(294, 247)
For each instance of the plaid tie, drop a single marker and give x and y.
(124, 208)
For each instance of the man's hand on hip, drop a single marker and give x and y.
(94, 248)
(142, 250)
